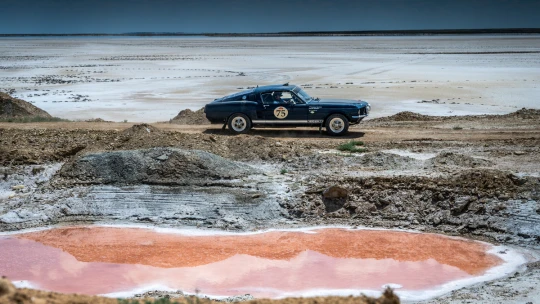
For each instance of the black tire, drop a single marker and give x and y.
(239, 123)
(336, 125)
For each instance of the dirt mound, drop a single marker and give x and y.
(458, 160)
(525, 113)
(386, 160)
(188, 117)
(37, 146)
(157, 166)
(411, 116)
(11, 107)
(407, 116)
(140, 130)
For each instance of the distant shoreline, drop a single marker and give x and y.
(302, 34)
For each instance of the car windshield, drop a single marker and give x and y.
(302, 94)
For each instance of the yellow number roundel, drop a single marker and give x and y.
(281, 112)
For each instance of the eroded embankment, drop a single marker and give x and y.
(475, 202)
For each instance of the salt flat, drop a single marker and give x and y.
(151, 79)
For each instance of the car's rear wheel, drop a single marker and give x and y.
(239, 123)
(336, 125)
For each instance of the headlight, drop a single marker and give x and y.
(368, 108)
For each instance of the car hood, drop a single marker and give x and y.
(330, 102)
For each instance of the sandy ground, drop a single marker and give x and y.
(152, 79)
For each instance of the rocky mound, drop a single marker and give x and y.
(458, 160)
(386, 160)
(188, 117)
(11, 107)
(159, 166)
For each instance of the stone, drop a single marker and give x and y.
(163, 157)
(17, 187)
(335, 192)
(6, 288)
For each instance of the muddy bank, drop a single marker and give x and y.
(9, 294)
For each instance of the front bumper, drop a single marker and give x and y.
(357, 119)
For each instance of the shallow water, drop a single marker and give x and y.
(105, 260)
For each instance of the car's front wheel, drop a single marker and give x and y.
(239, 123)
(337, 124)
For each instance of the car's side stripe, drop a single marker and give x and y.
(285, 121)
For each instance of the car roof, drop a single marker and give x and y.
(275, 87)
(258, 90)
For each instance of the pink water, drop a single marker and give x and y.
(273, 264)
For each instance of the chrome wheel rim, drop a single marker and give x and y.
(239, 124)
(337, 125)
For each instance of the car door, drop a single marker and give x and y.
(283, 111)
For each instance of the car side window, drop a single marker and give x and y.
(267, 98)
(287, 97)
(296, 99)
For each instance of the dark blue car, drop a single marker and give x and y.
(284, 106)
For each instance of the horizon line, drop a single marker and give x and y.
(301, 33)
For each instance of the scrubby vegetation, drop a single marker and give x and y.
(352, 147)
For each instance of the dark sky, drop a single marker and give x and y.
(221, 16)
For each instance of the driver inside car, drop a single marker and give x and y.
(277, 97)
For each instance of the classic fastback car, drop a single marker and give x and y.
(284, 106)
